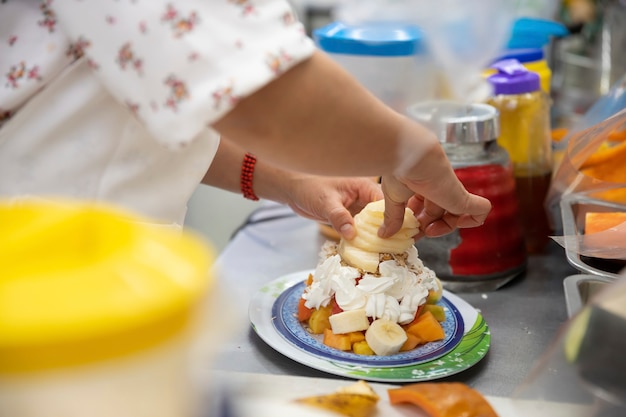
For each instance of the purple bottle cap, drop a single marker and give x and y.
(513, 78)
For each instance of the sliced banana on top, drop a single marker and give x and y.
(363, 251)
(359, 258)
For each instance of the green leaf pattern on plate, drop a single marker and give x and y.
(276, 288)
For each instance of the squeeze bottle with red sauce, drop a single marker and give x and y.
(525, 134)
(486, 257)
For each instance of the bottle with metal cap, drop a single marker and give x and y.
(486, 257)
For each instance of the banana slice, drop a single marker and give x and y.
(367, 261)
(362, 251)
(385, 337)
(349, 321)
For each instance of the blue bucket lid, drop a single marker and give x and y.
(534, 33)
(372, 39)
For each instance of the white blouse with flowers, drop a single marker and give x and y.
(112, 99)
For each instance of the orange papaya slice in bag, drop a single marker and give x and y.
(598, 222)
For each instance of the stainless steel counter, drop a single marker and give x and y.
(523, 316)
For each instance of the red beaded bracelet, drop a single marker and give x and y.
(247, 172)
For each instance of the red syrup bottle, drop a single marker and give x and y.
(486, 257)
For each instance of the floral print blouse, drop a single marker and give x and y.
(164, 69)
(177, 65)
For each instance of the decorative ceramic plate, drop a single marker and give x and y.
(273, 316)
(287, 324)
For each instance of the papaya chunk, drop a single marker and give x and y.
(356, 336)
(443, 399)
(411, 342)
(304, 313)
(426, 327)
(598, 222)
(337, 341)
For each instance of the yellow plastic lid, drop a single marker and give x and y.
(83, 283)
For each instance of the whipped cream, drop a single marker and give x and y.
(394, 293)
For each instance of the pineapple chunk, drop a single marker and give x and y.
(362, 348)
(318, 321)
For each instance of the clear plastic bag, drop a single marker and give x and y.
(593, 168)
(605, 107)
(463, 36)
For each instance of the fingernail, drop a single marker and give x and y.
(382, 230)
(347, 231)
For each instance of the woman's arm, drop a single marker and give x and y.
(325, 199)
(316, 118)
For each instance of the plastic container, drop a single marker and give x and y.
(482, 258)
(529, 44)
(525, 134)
(529, 32)
(389, 59)
(99, 314)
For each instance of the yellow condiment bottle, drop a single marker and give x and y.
(98, 311)
(525, 133)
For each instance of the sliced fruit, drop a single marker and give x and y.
(443, 399)
(427, 328)
(349, 321)
(356, 336)
(334, 307)
(436, 310)
(358, 258)
(607, 164)
(304, 313)
(608, 155)
(435, 295)
(385, 337)
(318, 321)
(599, 222)
(362, 348)
(363, 251)
(356, 400)
(337, 341)
(411, 343)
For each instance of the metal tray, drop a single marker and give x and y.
(573, 210)
(581, 288)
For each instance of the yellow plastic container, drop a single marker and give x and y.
(98, 312)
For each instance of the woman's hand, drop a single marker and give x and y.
(431, 189)
(332, 200)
